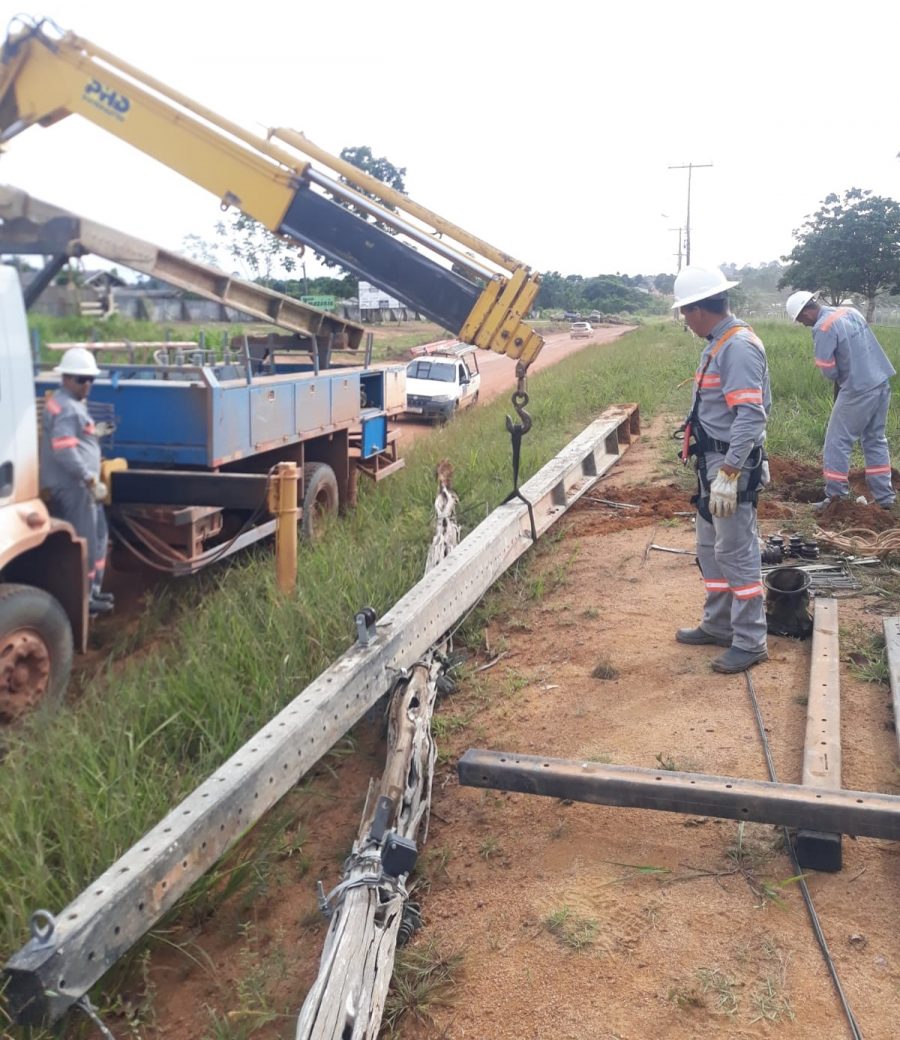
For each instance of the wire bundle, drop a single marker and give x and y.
(862, 541)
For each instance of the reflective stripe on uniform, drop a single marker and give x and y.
(716, 585)
(53, 406)
(747, 591)
(825, 364)
(830, 474)
(832, 318)
(877, 469)
(60, 443)
(749, 395)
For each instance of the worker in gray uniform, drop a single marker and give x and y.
(70, 466)
(847, 352)
(725, 434)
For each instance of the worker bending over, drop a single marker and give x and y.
(847, 352)
(725, 433)
(70, 466)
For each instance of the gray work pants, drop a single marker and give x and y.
(859, 417)
(76, 506)
(728, 554)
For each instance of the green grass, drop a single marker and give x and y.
(80, 789)
(391, 342)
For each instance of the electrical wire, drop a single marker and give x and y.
(176, 566)
(798, 872)
(862, 541)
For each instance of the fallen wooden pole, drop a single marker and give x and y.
(66, 956)
(816, 849)
(864, 813)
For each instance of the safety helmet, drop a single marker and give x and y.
(77, 361)
(797, 301)
(699, 283)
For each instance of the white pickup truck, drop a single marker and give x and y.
(442, 381)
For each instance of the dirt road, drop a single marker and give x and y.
(498, 373)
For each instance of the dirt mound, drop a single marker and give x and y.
(661, 502)
(800, 482)
(656, 504)
(842, 515)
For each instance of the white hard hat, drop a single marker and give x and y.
(797, 301)
(77, 361)
(699, 283)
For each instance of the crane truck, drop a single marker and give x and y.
(228, 429)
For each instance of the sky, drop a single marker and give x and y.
(547, 130)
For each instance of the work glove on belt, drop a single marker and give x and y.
(723, 493)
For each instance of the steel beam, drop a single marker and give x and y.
(816, 849)
(862, 813)
(180, 488)
(49, 974)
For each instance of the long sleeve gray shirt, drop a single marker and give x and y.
(735, 397)
(847, 351)
(70, 449)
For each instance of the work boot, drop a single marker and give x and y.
(103, 597)
(736, 660)
(99, 606)
(820, 507)
(700, 637)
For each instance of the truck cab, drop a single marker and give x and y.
(441, 382)
(43, 563)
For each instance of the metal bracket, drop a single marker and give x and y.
(365, 626)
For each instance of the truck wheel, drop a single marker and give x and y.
(35, 651)
(320, 498)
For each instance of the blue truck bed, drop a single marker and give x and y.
(206, 417)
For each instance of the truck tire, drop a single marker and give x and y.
(320, 498)
(35, 651)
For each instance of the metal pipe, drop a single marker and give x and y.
(285, 494)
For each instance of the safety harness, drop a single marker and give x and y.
(697, 442)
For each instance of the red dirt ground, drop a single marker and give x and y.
(577, 921)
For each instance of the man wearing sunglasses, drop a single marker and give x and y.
(70, 465)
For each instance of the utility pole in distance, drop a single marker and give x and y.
(690, 167)
(680, 252)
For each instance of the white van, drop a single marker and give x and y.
(440, 383)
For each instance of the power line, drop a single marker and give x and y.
(690, 167)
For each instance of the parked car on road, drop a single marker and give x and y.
(577, 330)
(439, 384)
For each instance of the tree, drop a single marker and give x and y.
(380, 167)
(255, 247)
(851, 245)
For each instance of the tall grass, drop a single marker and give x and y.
(80, 788)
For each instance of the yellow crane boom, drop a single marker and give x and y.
(479, 292)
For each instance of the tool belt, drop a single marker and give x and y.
(697, 444)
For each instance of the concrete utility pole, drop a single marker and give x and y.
(690, 167)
